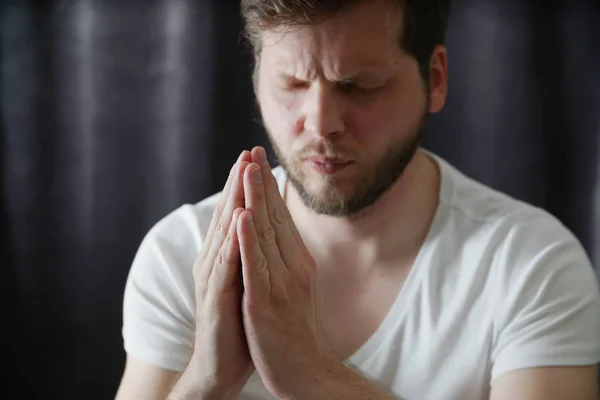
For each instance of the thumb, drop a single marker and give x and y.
(255, 271)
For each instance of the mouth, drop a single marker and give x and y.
(327, 165)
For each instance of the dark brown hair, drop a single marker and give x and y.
(424, 22)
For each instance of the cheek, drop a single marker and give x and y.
(371, 126)
(281, 117)
(394, 117)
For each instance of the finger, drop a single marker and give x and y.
(224, 277)
(244, 156)
(201, 271)
(255, 273)
(254, 194)
(287, 236)
(235, 199)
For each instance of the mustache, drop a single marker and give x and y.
(325, 149)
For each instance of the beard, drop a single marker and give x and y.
(371, 182)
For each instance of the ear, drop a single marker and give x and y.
(438, 79)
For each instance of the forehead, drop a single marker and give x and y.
(367, 34)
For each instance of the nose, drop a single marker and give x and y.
(323, 114)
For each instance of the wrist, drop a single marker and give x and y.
(311, 381)
(200, 391)
(219, 394)
(333, 379)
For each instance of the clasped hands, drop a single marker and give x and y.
(256, 294)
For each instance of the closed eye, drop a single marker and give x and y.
(294, 84)
(354, 87)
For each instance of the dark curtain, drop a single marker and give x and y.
(116, 112)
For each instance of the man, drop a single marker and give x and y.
(364, 267)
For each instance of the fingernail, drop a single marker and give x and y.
(249, 220)
(241, 156)
(255, 175)
(262, 156)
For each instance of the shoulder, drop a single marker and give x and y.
(518, 249)
(499, 222)
(539, 283)
(159, 297)
(181, 234)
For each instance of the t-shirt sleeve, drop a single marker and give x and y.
(159, 299)
(549, 311)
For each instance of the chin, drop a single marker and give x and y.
(327, 195)
(327, 192)
(347, 190)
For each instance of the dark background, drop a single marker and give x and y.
(116, 112)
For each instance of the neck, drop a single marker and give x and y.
(392, 229)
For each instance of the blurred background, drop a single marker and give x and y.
(114, 113)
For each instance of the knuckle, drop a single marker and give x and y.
(219, 258)
(220, 207)
(261, 264)
(220, 227)
(267, 234)
(280, 215)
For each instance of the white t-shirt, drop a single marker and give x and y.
(498, 285)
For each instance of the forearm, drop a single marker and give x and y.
(188, 388)
(338, 381)
(191, 387)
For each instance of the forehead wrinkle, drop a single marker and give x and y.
(304, 55)
(296, 60)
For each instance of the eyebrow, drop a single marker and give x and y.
(378, 75)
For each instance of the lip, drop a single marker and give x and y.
(327, 160)
(327, 166)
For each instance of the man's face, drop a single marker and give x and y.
(343, 104)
